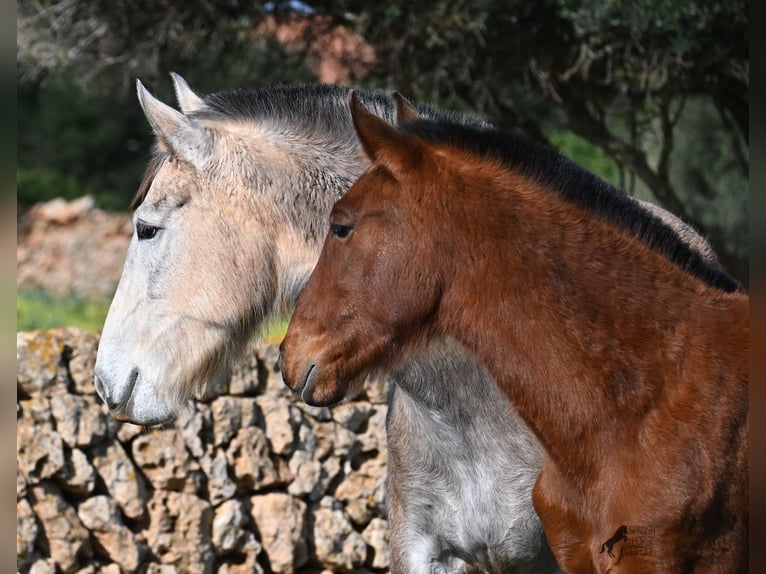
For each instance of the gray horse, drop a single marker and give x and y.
(229, 222)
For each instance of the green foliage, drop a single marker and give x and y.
(72, 143)
(275, 329)
(44, 183)
(586, 154)
(38, 310)
(711, 174)
(76, 141)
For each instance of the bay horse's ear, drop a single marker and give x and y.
(184, 138)
(405, 111)
(188, 101)
(382, 142)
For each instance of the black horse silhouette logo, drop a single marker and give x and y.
(620, 534)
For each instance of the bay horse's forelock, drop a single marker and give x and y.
(630, 369)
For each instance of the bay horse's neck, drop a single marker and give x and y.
(580, 323)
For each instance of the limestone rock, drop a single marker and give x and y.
(268, 354)
(77, 475)
(378, 390)
(373, 439)
(61, 211)
(281, 522)
(80, 421)
(310, 476)
(230, 528)
(68, 254)
(220, 486)
(250, 548)
(45, 566)
(102, 517)
(282, 421)
(246, 377)
(39, 450)
(196, 430)
(162, 457)
(365, 483)
(125, 432)
(67, 539)
(376, 536)
(338, 546)
(26, 534)
(180, 531)
(39, 371)
(82, 360)
(248, 455)
(37, 409)
(21, 483)
(352, 415)
(155, 568)
(229, 415)
(123, 481)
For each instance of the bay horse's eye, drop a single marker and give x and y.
(144, 231)
(339, 230)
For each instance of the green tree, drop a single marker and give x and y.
(660, 87)
(618, 74)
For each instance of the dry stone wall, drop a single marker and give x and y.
(252, 481)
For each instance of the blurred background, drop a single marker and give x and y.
(652, 95)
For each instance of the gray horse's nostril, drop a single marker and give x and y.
(102, 393)
(99, 383)
(107, 395)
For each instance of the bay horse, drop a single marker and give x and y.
(229, 221)
(624, 351)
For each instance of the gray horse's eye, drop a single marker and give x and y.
(144, 231)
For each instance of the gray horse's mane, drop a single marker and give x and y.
(316, 113)
(314, 110)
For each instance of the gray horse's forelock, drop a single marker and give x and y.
(156, 160)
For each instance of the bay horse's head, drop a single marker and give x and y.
(373, 286)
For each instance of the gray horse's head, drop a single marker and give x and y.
(228, 225)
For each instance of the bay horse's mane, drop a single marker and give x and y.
(554, 171)
(313, 112)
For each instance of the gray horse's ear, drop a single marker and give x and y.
(185, 139)
(188, 101)
(405, 111)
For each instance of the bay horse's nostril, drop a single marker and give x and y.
(281, 361)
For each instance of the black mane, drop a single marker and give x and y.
(553, 170)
